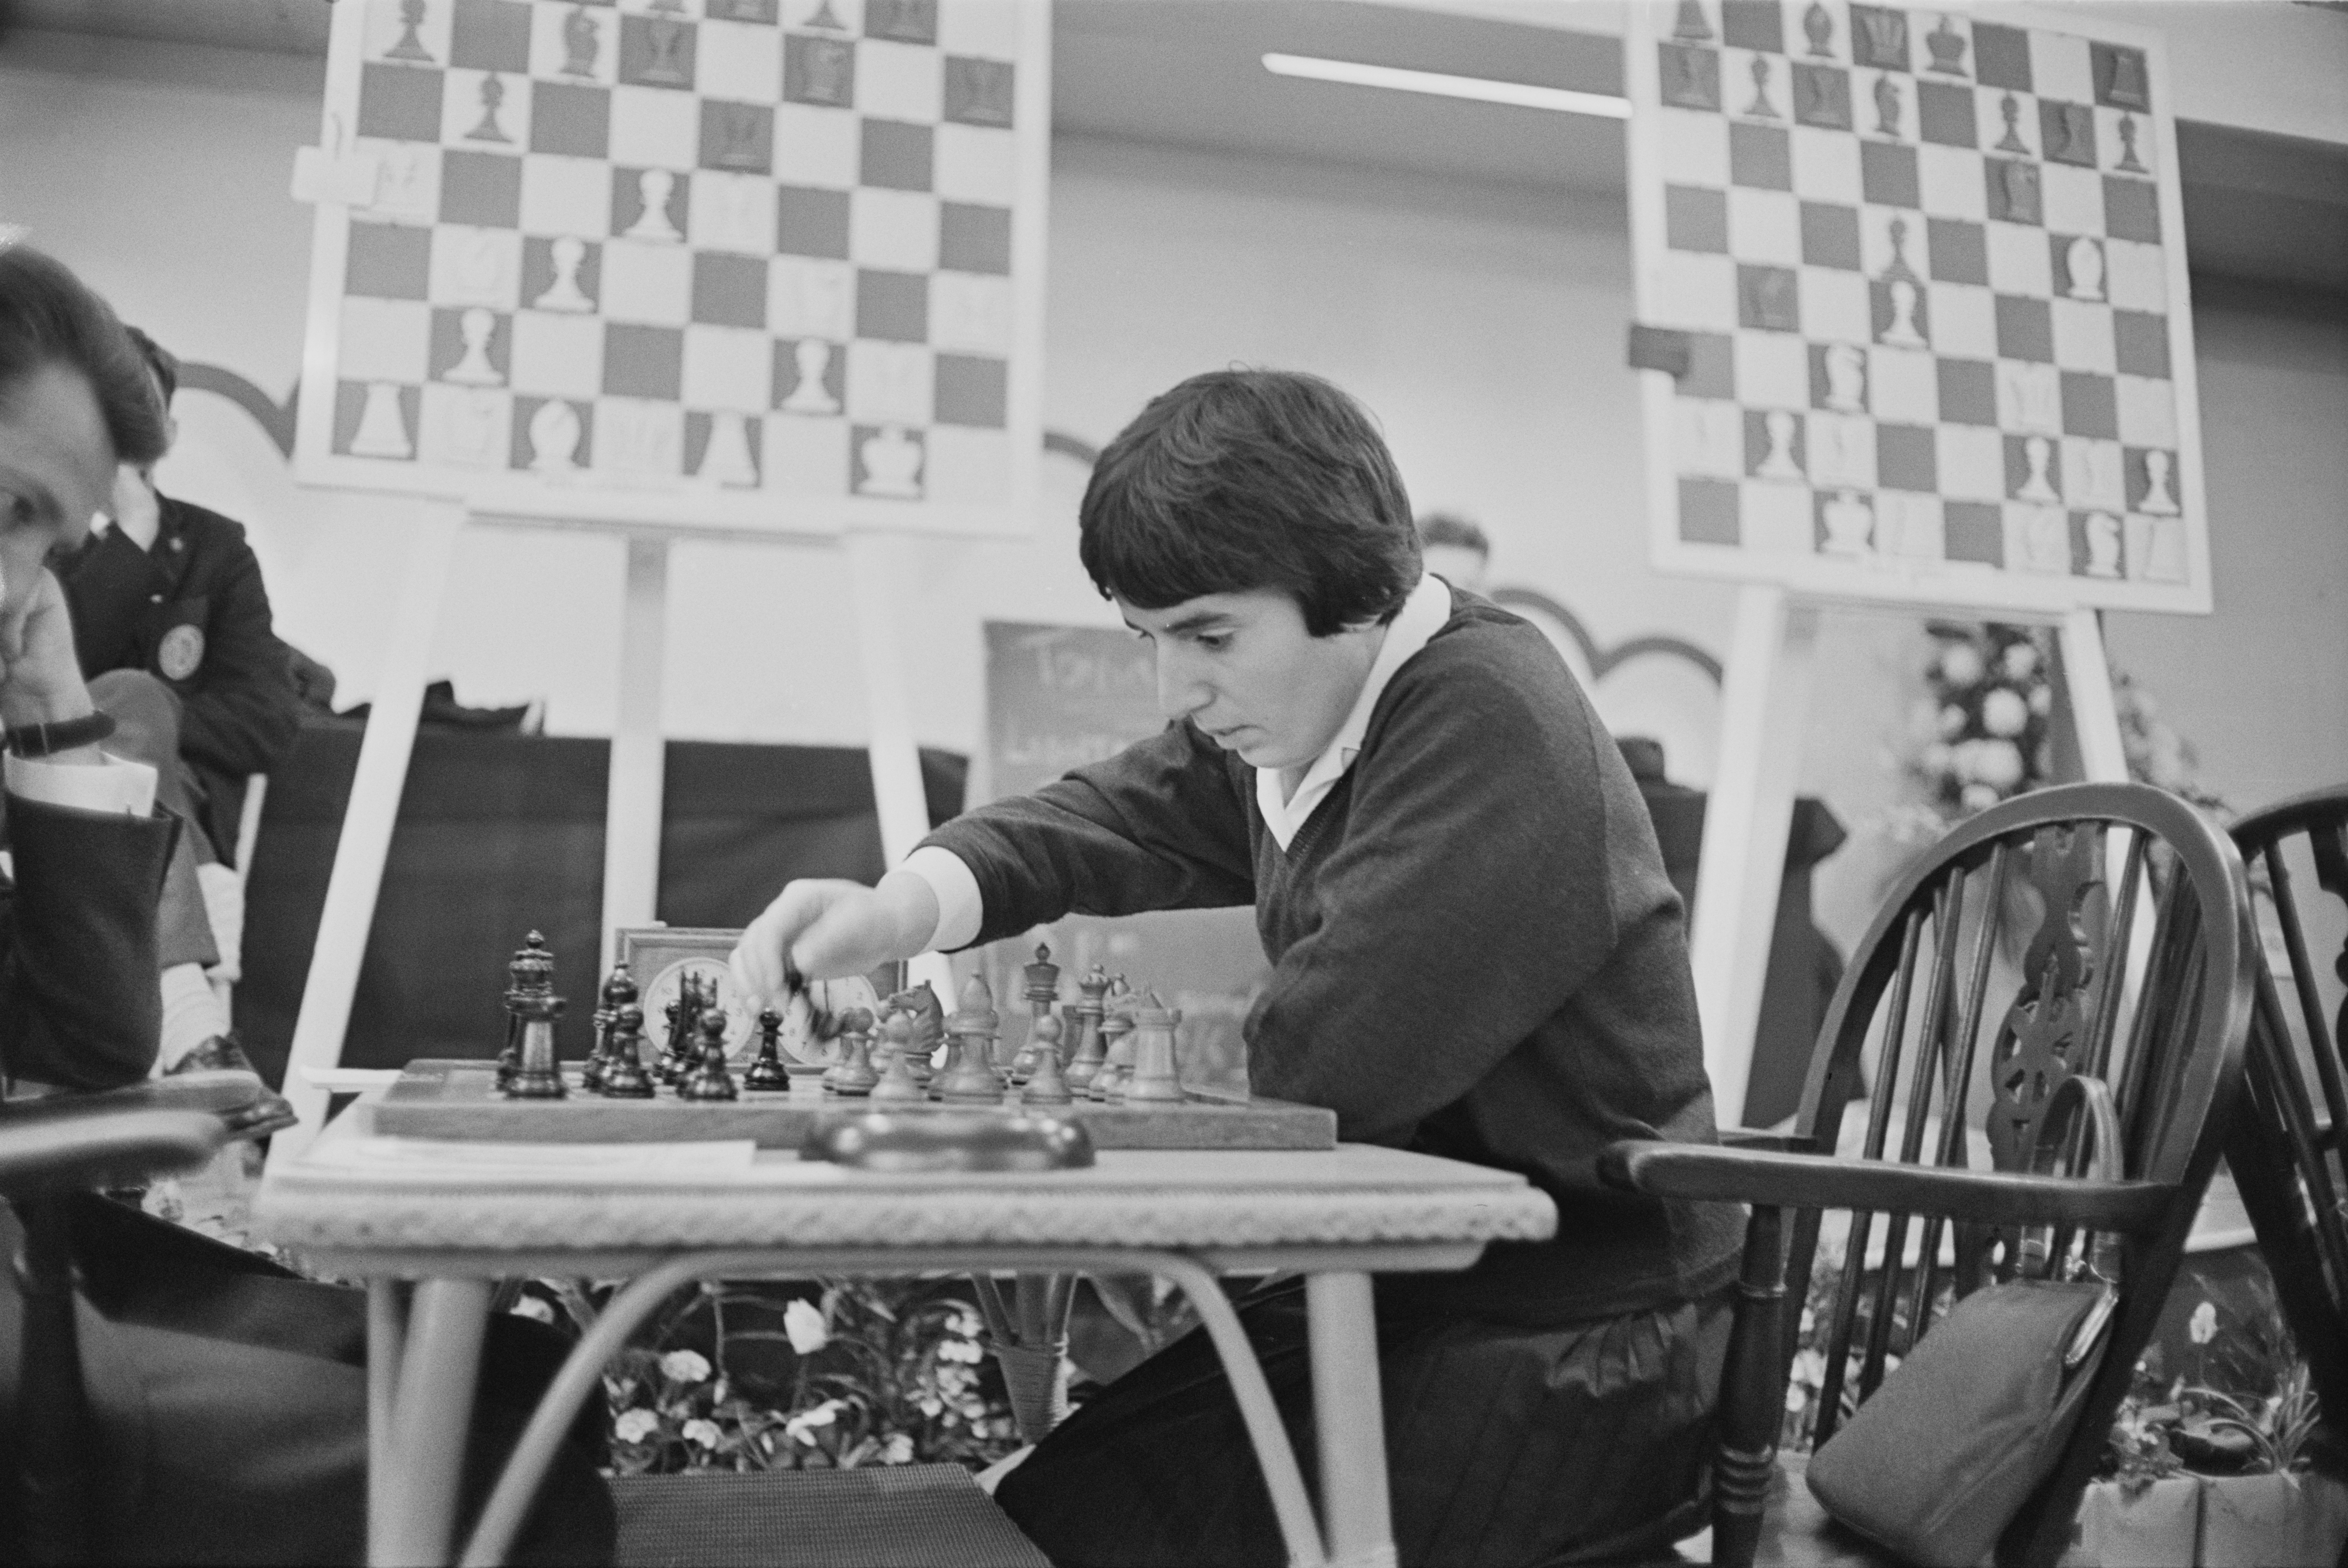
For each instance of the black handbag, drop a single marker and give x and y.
(1958, 1435)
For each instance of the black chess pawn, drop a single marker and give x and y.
(2010, 109)
(2129, 162)
(768, 1072)
(619, 991)
(708, 1079)
(538, 1075)
(493, 97)
(1761, 107)
(623, 1065)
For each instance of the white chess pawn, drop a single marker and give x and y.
(810, 395)
(892, 464)
(1902, 333)
(654, 187)
(1778, 463)
(565, 293)
(2085, 262)
(383, 425)
(1849, 522)
(2157, 501)
(1846, 379)
(473, 368)
(727, 461)
(2035, 486)
(555, 435)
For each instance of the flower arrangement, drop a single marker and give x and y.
(786, 1376)
(2246, 1407)
(1981, 728)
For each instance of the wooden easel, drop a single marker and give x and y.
(1765, 703)
(632, 821)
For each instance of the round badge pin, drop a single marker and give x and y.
(182, 651)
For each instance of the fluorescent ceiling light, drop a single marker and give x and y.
(1486, 89)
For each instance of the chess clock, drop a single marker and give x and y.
(663, 957)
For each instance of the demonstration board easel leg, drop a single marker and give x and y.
(367, 821)
(1764, 703)
(880, 567)
(2088, 682)
(632, 811)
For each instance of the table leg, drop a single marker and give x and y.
(386, 1341)
(1349, 1421)
(431, 1414)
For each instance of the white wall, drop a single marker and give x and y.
(1484, 325)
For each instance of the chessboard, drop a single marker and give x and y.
(1921, 286)
(458, 1098)
(743, 262)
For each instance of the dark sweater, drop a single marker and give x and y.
(1476, 951)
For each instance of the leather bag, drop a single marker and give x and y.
(1958, 1435)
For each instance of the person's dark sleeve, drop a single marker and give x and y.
(1469, 901)
(241, 713)
(1161, 825)
(79, 1005)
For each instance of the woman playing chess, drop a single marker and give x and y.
(1476, 954)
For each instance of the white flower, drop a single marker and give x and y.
(1939, 757)
(2020, 659)
(705, 1433)
(1960, 665)
(803, 1321)
(967, 1324)
(961, 1350)
(1795, 1399)
(634, 1426)
(2004, 713)
(1952, 722)
(2042, 700)
(2202, 1327)
(1998, 764)
(801, 1427)
(684, 1366)
(897, 1451)
(1977, 798)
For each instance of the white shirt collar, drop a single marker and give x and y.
(1422, 615)
(140, 532)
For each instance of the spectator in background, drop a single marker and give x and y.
(1456, 550)
(172, 627)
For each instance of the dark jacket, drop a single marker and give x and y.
(193, 610)
(77, 936)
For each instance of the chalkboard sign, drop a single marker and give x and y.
(1058, 697)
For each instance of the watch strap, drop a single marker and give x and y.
(39, 739)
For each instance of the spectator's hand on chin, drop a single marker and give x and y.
(40, 678)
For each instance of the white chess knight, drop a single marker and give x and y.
(1777, 462)
(653, 188)
(892, 464)
(383, 425)
(1902, 333)
(727, 461)
(554, 437)
(813, 358)
(1848, 523)
(2158, 501)
(474, 369)
(564, 294)
(2085, 262)
(2036, 453)
(2034, 395)
(2103, 545)
(1846, 379)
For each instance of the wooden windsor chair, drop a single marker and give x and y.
(2289, 1144)
(2091, 930)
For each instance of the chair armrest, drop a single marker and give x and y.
(75, 1146)
(222, 1093)
(1776, 1143)
(1878, 1186)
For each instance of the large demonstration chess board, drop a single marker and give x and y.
(1927, 270)
(459, 1099)
(745, 264)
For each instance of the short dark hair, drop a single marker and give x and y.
(48, 316)
(161, 363)
(1238, 481)
(1450, 527)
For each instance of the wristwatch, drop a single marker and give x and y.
(39, 739)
